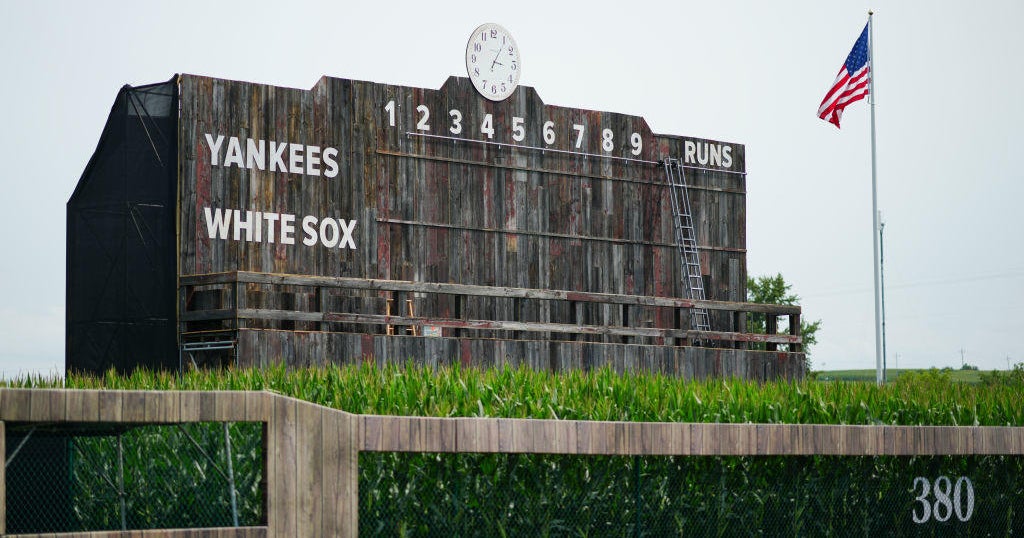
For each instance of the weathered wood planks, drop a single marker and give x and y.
(450, 188)
(139, 407)
(457, 435)
(317, 348)
(242, 532)
(611, 318)
(483, 291)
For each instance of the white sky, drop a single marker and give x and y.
(948, 117)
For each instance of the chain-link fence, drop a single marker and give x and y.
(447, 495)
(92, 477)
(102, 477)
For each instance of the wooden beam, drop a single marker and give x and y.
(483, 291)
(208, 279)
(656, 181)
(224, 532)
(794, 329)
(208, 315)
(490, 325)
(501, 325)
(131, 406)
(745, 337)
(493, 435)
(552, 235)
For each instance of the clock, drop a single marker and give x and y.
(492, 61)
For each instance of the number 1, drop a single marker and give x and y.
(390, 108)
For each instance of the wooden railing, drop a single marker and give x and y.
(311, 452)
(230, 305)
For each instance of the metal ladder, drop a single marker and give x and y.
(686, 242)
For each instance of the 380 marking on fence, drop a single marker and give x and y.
(943, 508)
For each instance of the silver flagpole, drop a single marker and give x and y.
(874, 203)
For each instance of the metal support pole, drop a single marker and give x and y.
(231, 475)
(120, 482)
(33, 430)
(636, 527)
(881, 267)
(874, 204)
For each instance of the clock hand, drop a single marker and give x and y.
(495, 62)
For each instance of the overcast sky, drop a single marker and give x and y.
(948, 122)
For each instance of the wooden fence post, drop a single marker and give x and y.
(771, 325)
(794, 329)
(741, 327)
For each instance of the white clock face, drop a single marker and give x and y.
(492, 61)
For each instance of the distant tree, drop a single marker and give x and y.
(1014, 377)
(770, 289)
(935, 378)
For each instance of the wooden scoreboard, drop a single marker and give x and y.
(365, 180)
(471, 223)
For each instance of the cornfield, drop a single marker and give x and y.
(544, 495)
(596, 395)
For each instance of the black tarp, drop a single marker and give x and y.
(121, 268)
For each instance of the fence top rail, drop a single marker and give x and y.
(378, 433)
(132, 406)
(489, 435)
(218, 532)
(485, 291)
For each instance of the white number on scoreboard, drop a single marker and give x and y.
(424, 117)
(456, 127)
(575, 134)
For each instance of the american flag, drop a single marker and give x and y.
(851, 83)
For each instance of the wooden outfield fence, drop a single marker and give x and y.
(311, 452)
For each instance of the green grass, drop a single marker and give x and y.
(960, 376)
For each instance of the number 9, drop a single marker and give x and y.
(637, 142)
